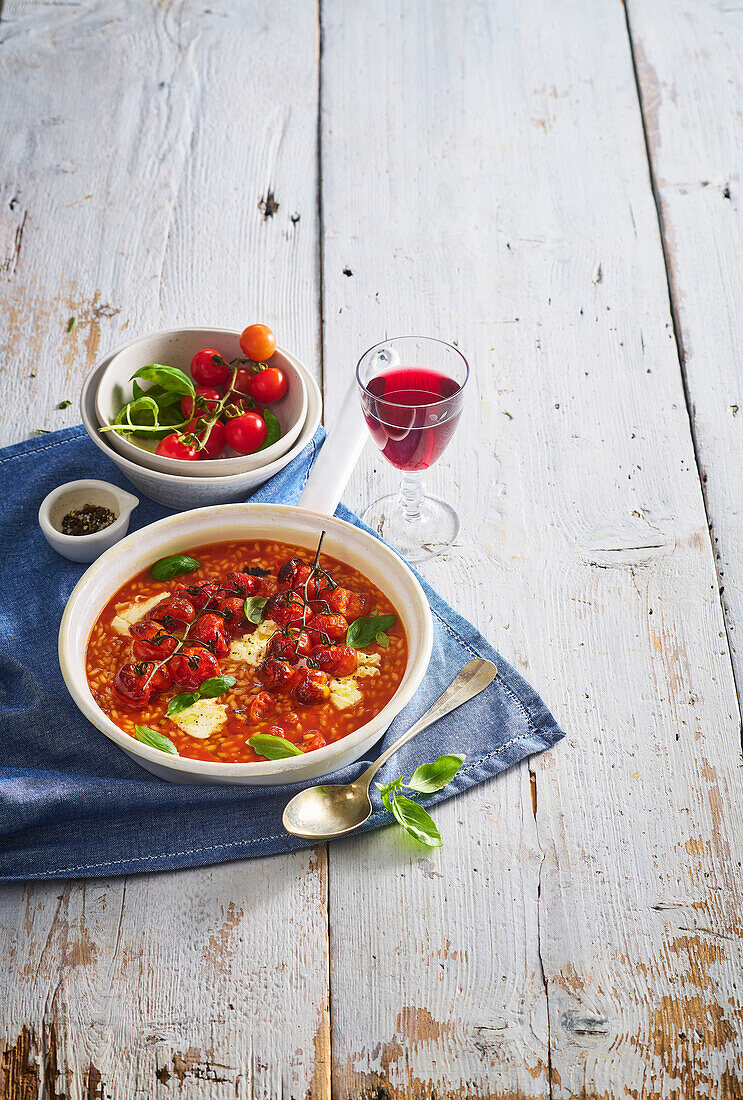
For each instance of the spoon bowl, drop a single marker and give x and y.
(330, 810)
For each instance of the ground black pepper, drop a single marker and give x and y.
(87, 520)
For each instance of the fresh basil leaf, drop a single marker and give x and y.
(382, 639)
(166, 400)
(362, 632)
(142, 412)
(155, 740)
(170, 378)
(273, 429)
(137, 390)
(387, 791)
(164, 569)
(434, 776)
(416, 821)
(216, 685)
(181, 702)
(273, 748)
(254, 609)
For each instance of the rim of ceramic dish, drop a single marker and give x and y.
(83, 697)
(422, 404)
(308, 430)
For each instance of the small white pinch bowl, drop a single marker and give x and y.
(73, 495)
(178, 490)
(176, 347)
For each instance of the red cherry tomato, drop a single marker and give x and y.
(277, 676)
(211, 398)
(290, 647)
(336, 660)
(216, 442)
(198, 595)
(242, 381)
(245, 583)
(233, 616)
(210, 630)
(258, 343)
(135, 684)
(312, 740)
(284, 608)
(191, 666)
(246, 433)
(172, 447)
(174, 608)
(205, 372)
(293, 573)
(349, 604)
(313, 688)
(151, 641)
(268, 385)
(324, 627)
(261, 705)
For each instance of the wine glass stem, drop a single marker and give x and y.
(411, 495)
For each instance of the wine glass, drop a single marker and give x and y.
(412, 393)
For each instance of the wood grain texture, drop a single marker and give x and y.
(688, 66)
(485, 180)
(138, 141)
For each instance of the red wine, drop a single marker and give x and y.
(413, 414)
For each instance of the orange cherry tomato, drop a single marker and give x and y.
(258, 343)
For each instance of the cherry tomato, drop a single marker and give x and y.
(277, 676)
(176, 609)
(210, 630)
(349, 604)
(246, 433)
(261, 705)
(268, 385)
(290, 647)
(258, 343)
(216, 442)
(313, 688)
(293, 573)
(244, 583)
(324, 627)
(242, 381)
(173, 447)
(211, 398)
(151, 642)
(311, 740)
(198, 595)
(284, 608)
(135, 684)
(205, 372)
(336, 660)
(191, 666)
(231, 609)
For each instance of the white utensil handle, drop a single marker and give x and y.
(338, 455)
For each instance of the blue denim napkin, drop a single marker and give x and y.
(73, 806)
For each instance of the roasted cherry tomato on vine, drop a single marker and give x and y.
(190, 666)
(313, 688)
(351, 605)
(268, 385)
(284, 608)
(136, 684)
(293, 573)
(277, 676)
(258, 343)
(198, 595)
(211, 399)
(174, 608)
(216, 441)
(151, 641)
(232, 611)
(205, 371)
(245, 583)
(290, 647)
(336, 660)
(210, 630)
(246, 433)
(322, 628)
(261, 706)
(174, 447)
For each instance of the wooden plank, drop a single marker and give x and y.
(688, 65)
(138, 141)
(485, 180)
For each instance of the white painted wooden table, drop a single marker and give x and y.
(557, 187)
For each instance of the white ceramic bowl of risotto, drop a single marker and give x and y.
(176, 347)
(275, 523)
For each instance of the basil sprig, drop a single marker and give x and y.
(426, 779)
(150, 413)
(254, 609)
(210, 689)
(169, 379)
(164, 569)
(273, 748)
(273, 429)
(362, 632)
(155, 740)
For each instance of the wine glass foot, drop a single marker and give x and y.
(432, 531)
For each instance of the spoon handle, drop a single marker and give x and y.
(474, 678)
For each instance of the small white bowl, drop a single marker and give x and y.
(176, 347)
(73, 495)
(179, 491)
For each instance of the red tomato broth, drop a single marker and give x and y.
(107, 650)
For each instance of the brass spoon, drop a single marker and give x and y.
(334, 809)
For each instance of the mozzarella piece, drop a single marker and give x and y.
(345, 691)
(127, 614)
(251, 648)
(202, 718)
